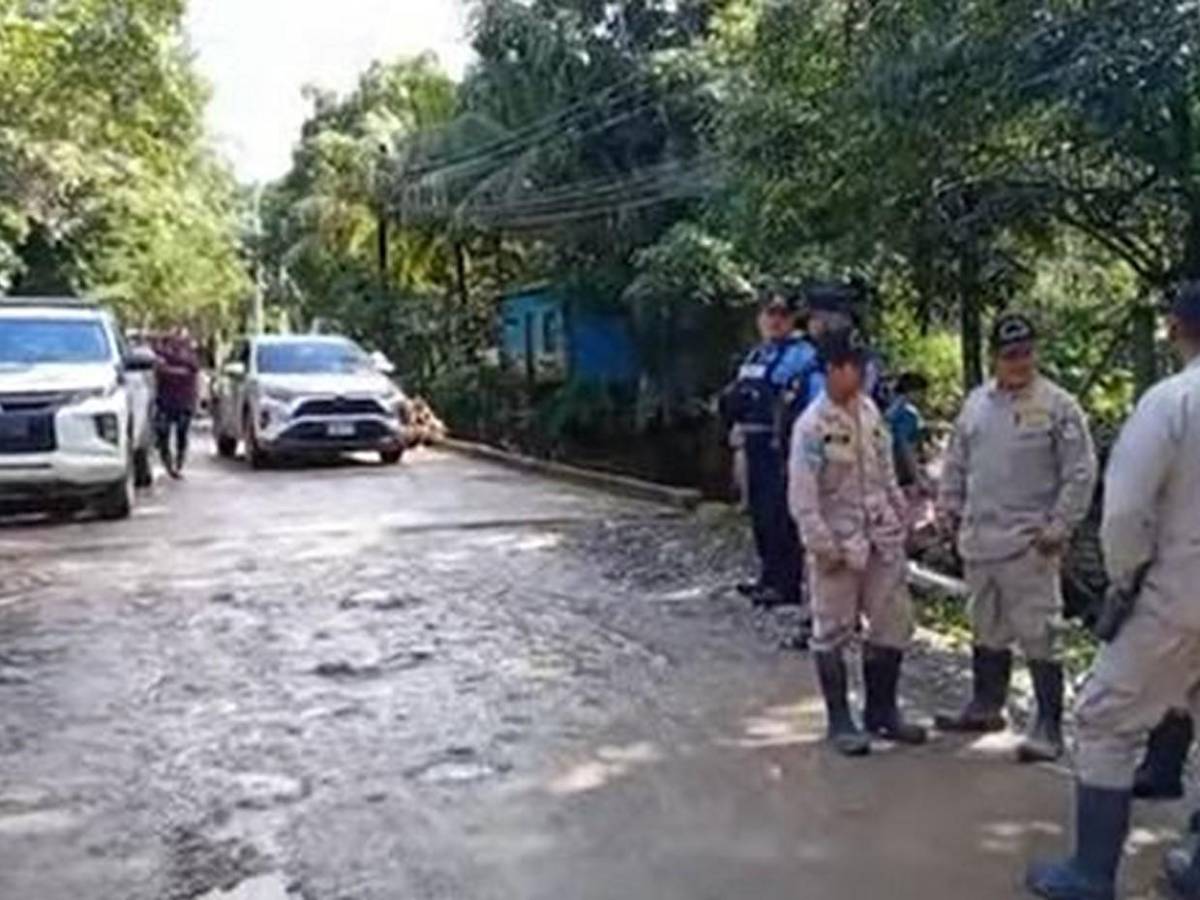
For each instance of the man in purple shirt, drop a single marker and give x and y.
(178, 375)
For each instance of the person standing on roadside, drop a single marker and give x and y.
(852, 518)
(1151, 538)
(1018, 480)
(906, 424)
(178, 376)
(756, 405)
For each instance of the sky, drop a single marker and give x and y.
(259, 54)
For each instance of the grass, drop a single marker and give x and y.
(948, 616)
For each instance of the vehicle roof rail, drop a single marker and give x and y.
(51, 302)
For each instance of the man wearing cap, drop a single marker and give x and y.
(845, 497)
(755, 402)
(1151, 538)
(1019, 478)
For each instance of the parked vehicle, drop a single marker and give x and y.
(298, 395)
(75, 407)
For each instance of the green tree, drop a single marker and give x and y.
(106, 183)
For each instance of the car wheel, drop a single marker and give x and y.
(117, 500)
(255, 455)
(143, 471)
(391, 457)
(226, 446)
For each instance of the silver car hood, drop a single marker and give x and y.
(53, 377)
(338, 385)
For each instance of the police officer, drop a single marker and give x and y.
(1151, 539)
(1018, 480)
(782, 362)
(851, 512)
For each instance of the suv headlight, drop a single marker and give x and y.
(100, 393)
(278, 394)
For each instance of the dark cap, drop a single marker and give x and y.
(846, 345)
(833, 296)
(1183, 302)
(1011, 329)
(778, 298)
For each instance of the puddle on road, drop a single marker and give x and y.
(265, 887)
(38, 822)
(451, 772)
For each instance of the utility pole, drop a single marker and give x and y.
(259, 316)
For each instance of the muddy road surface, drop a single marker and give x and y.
(448, 680)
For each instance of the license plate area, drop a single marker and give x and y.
(341, 429)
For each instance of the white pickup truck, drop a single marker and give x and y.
(75, 407)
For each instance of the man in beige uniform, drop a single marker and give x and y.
(1019, 478)
(1151, 539)
(851, 514)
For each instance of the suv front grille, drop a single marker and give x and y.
(41, 401)
(22, 432)
(341, 406)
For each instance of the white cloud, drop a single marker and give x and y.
(259, 54)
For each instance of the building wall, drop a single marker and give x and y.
(564, 341)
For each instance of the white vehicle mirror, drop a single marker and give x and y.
(382, 363)
(140, 359)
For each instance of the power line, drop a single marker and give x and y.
(531, 133)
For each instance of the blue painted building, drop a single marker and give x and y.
(550, 338)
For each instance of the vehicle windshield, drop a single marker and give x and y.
(26, 342)
(311, 358)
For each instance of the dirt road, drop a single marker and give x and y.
(445, 681)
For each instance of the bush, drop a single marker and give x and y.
(937, 355)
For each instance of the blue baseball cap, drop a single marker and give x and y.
(1184, 302)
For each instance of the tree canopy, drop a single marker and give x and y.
(108, 185)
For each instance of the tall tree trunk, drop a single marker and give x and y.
(460, 274)
(381, 242)
(1145, 359)
(971, 320)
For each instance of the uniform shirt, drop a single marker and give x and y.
(1152, 499)
(842, 490)
(798, 361)
(1017, 465)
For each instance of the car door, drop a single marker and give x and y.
(140, 389)
(231, 392)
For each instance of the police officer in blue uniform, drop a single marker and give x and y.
(778, 378)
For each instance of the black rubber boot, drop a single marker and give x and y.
(1160, 776)
(843, 733)
(1101, 826)
(1044, 743)
(881, 674)
(985, 713)
(1182, 870)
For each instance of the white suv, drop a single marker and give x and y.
(302, 395)
(75, 407)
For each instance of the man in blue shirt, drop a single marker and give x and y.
(904, 421)
(777, 376)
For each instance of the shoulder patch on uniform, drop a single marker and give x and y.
(814, 450)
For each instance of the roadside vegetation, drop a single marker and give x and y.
(108, 183)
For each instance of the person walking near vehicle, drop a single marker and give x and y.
(1151, 538)
(755, 402)
(178, 375)
(1018, 480)
(851, 513)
